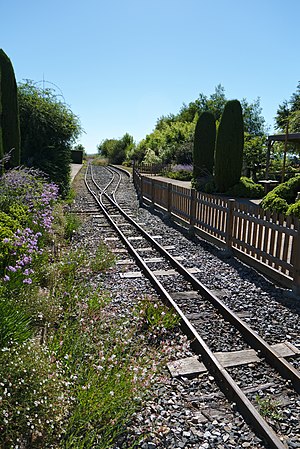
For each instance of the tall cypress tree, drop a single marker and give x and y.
(229, 147)
(204, 145)
(9, 111)
(1, 140)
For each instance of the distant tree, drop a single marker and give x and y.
(229, 147)
(288, 112)
(48, 130)
(116, 150)
(106, 147)
(254, 155)
(254, 122)
(79, 147)
(168, 142)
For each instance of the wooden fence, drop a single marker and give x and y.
(268, 242)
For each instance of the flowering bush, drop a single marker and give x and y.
(182, 172)
(26, 201)
(34, 397)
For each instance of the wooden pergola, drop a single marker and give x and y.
(286, 138)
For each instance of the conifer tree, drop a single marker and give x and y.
(204, 145)
(229, 147)
(9, 112)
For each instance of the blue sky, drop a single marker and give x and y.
(121, 64)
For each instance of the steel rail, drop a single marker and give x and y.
(223, 378)
(282, 366)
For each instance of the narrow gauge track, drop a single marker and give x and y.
(242, 339)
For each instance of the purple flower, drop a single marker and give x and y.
(27, 281)
(6, 278)
(10, 268)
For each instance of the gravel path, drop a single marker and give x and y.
(192, 413)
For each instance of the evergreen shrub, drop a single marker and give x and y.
(294, 209)
(279, 199)
(246, 188)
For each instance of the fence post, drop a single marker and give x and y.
(141, 193)
(133, 174)
(192, 211)
(168, 214)
(229, 225)
(152, 192)
(296, 259)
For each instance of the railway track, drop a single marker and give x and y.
(158, 264)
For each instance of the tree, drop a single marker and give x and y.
(288, 112)
(204, 145)
(48, 130)
(9, 112)
(254, 156)
(229, 147)
(117, 150)
(167, 142)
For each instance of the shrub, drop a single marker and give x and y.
(294, 209)
(274, 203)
(180, 175)
(279, 199)
(48, 130)
(34, 397)
(182, 172)
(288, 190)
(246, 188)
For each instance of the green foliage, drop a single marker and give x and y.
(157, 315)
(181, 175)
(172, 139)
(72, 224)
(101, 161)
(103, 260)
(255, 154)
(204, 145)
(48, 130)
(117, 150)
(294, 209)
(165, 142)
(274, 203)
(279, 199)
(268, 407)
(34, 397)
(246, 188)
(254, 122)
(229, 147)
(288, 112)
(15, 324)
(9, 112)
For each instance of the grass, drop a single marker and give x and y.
(268, 407)
(75, 377)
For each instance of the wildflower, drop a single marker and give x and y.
(27, 281)
(11, 268)
(6, 278)
(112, 393)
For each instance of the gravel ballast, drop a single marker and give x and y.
(193, 413)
